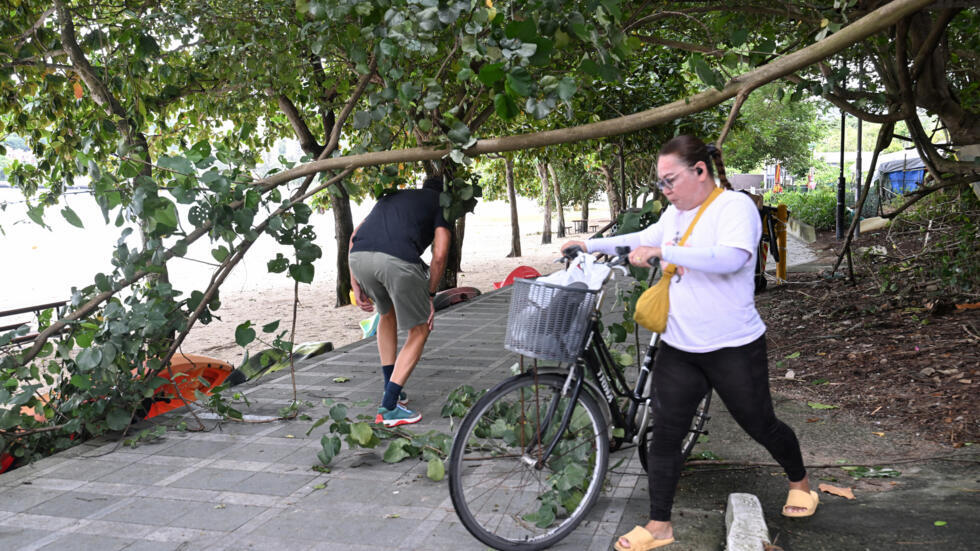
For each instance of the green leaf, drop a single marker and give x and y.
(524, 30)
(338, 413)
(270, 327)
(520, 81)
(118, 419)
(330, 447)
(36, 214)
(939, 523)
(464, 74)
(89, 359)
(793, 355)
(436, 470)
(71, 217)
(618, 432)
(505, 106)
(302, 272)
(566, 88)
(81, 382)
(491, 73)
(244, 334)
(396, 451)
(817, 405)
(341, 379)
(361, 433)
(221, 253)
(738, 37)
(460, 135)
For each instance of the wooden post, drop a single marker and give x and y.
(782, 216)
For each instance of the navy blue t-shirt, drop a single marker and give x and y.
(402, 224)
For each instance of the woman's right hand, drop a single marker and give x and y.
(575, 243)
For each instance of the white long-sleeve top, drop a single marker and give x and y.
(712, 306)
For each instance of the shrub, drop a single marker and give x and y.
(813, 207)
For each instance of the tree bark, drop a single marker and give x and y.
(451, 277)
(585, 211)
(546, 193)
(559, 205)
(343, 227)
(611, 192)
(515, 229)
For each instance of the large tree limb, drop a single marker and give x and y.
(302, 131)
(100, 92)
(868, 25)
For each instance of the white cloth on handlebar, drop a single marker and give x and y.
(584, 269)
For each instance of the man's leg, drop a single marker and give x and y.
(388, 343)
(405, 363)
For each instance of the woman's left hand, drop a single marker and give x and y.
(640, 256)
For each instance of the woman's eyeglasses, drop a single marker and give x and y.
(667, 182)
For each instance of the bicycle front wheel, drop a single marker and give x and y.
(506, 493)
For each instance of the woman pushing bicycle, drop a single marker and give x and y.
(714, 337)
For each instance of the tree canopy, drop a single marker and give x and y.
(172, 103)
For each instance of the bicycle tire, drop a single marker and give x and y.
(687, 445)
(486, 472)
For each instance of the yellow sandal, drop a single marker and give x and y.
(799, 498)
(641, 539)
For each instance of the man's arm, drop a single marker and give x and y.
(360, 297)
(440, 253)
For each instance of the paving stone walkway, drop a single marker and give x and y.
(250, 485)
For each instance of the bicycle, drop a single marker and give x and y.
(529, 459)
(767, 244)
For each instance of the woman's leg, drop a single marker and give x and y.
(678, 385)
(740, 376)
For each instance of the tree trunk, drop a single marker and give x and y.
(585, 211)
(623, 196)
(546, 192)
(343, 227)
(611, 193)
(451, 277)
(515, 229)
(559, 206)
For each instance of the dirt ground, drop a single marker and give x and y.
(907, 359)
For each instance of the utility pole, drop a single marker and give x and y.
(841, 181)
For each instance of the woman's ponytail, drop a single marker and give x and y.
(715, 155)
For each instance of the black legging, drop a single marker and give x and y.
(740, 376)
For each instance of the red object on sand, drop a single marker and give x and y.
(447, 298)
(191, 373)
(6, 460)
(524, 272)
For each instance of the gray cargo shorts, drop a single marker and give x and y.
(394, 283)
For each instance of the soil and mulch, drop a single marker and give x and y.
(905, 358)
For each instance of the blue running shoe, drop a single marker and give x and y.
(398, 416)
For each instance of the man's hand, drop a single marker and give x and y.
(363, 301)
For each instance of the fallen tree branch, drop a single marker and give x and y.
(861, 29)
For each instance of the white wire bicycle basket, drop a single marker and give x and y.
(548, 321)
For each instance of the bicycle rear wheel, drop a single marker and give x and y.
(690, 439)
(500, 494)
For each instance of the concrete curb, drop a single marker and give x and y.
(744, 524)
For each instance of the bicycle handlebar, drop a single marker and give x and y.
(620, 259)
